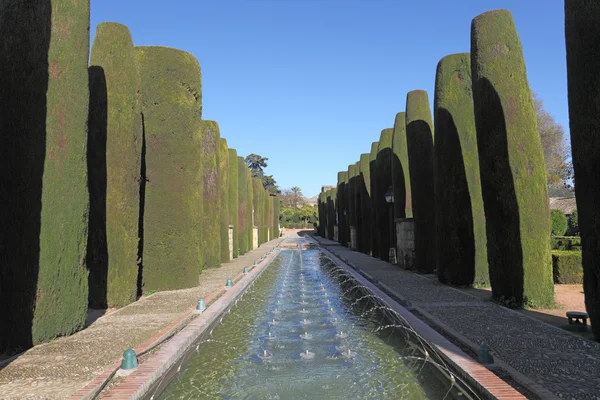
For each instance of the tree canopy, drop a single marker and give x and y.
(256, 163)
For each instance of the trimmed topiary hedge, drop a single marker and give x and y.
(223, 181)
(234, 199)
(511, 162)
(373, 242)
(558, 222)
(383, 209)
(173, 193)
(364, 198)
(460, 219)
(351, 193)
(249, 208)
(419, 137)
(268, 215)
(257, 204)
(573, 224)
(567, 266)
(566, 243)
(242, 206)
(582, 33)
(114, 167)
(342, 208)
(45, 200)
(276, 208)
(211, 217)
(400, 172)
(322, 201)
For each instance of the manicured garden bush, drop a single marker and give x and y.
(558, 222)
(223, 182)
(582, 33)
(573, 224)
(174, 189)
(384, 210)
(566, 243)
(419, 138)
(242, 206)
(511, 161)
(234, 199)
(44, 195)
(257, 189)
(331, 195)
(351, 193)
(400, 172)
(363, 197)
(114, 167)
(373, 242)
(211, 217)
(460, 219)
(322, 201)
(342, 209)
(567, 266)
(268, 214)
(276, 211)
(249, 208)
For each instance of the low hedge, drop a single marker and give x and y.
(567, 267)
(566, 243)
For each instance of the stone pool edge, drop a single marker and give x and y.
(477, 375)
(146, 376)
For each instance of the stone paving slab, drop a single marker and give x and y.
(565, 364)
(57, 369)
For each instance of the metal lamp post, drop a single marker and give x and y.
(389, 198)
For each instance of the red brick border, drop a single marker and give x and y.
(490, 385)
(142, 378)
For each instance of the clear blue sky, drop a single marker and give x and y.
(311, 83)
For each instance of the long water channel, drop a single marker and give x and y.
(304, 330)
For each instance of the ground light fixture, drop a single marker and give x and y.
(129, 359)
(246, 270)
(201, 305)
(229, 283)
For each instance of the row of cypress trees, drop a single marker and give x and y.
(478, 197)
(112, 184)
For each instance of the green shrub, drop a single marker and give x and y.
(582, 33)
(558, 222)
(322, 205)
(223, 182)
(257, 189)
(363, 197)
(566, 243)
(351, 193)
(419, 138)
(511, 160)
(573, 224)
(242, 206)
(276, 210)
(249, 209)
(173, 193)
(114, 160)
(211, 217)
(383, 210)
(331, 213)
(342, 208)
(460, 220)
(44, 195)
(400, 172)
(567, 267)
(234, 199)
(373, 242)
(268, 214)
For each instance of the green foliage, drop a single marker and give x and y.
(371, 186)
(306, 213)
(114, 160)
(249, 209)
(211, 217)
(384, 210)
(171, 87)
(573, 224)
(342, 208)
(558, 222)
(258, 205)
(331, 213)
(363, 188)
(351, 193)
(462, 250)
(567, 267)
(223, 182)
(582, 33)
(268, 216)
(276, 211)
(566, 243)
(511, 162)
(242, 206)
(234, 199)
(43, 277)
(419, 138)
(400, 172)
(322, 206)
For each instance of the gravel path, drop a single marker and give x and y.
(57, 369)
(563, 363)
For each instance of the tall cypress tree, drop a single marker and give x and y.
(242, 206)
(383, 210)
(223, 181)
(400, 172)
(211, 217)
(234, 199)
(583, 72)
(511, 160)
(460, 219)
(363, 196)
(419, 137)
(114, 167)
(249, 208)
(374, 243)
